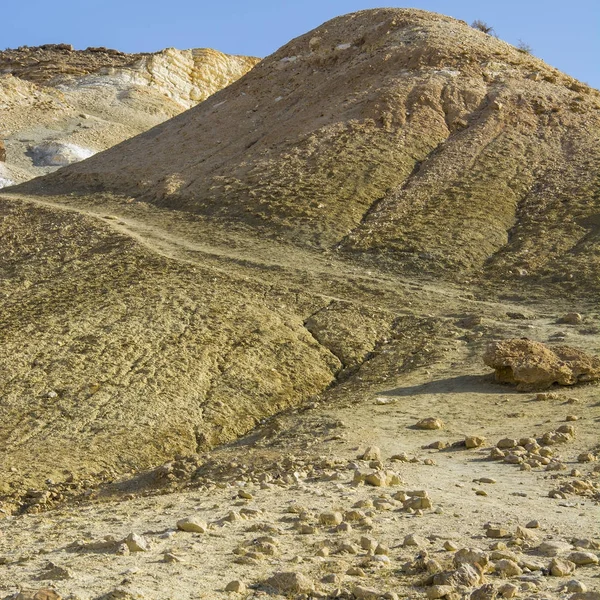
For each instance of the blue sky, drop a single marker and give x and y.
(564, 34)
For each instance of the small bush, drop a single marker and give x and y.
(482, 26)
(524, 47)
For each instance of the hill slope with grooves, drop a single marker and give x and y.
(392, 133)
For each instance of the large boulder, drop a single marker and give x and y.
(532, 365)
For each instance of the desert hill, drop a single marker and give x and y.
(59, 105)
(398, 134)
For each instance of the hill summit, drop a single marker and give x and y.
(394, 133)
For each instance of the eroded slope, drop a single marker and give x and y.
(395, 134)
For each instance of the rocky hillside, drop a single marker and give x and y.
(396, 134)
(59, 105)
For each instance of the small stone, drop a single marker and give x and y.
(55, 573)
(245, 495)
(497, 532)
(586, 596)
(574, 586)
(376, 479)
(439, 591)
(236, 586)
(583, 558)
(136, 543)
(371, 453)
(508, 590)
(169, 557)
(506, 443)
(331, 518)
(586, 457)
(571, 318)
(365, 593)
(559, 567)
(485, 592)
(481, 493)
(553, 548)
(533, 524)
(41, 594)
(290, 582)
(508, 568)
(429, 423)
(572, 418)
(355, 572)
(412, 539)
(474, 441)
(192, 525)
(450, 546)
(437, 445)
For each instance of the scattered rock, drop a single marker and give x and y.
(331, 518)
(507, 568)
(485, 592)
(136, 543)
(508, 590)
(474, 441)
(429, 423)
(371, 453)
(236, 586)
(439, 591)
(559, 567)
(365, 593)
(41, 594)
(192, 525)
(583, 558)
(572, 318)
(290, 582)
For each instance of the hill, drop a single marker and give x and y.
(396, 134)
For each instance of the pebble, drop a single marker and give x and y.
(136, 543)
(429, 423)
(365, 593)
(533, 524)
(583, 558)
(586, 457)
(192, 525)
(331, 518)
(574, 586)
(439, 591)
(290, 582)
(508, 590)
(559, 567)
(474, 441)
(236, 586)
(41, 594)
(508, 568)
(371, 453)
(412, 539)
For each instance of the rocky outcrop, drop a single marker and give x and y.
(532, 365)
(88, 100)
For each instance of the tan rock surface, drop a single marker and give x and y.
(532, 365)
(89, 100)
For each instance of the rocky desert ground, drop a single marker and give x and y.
(332, 333)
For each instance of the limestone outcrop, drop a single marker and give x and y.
(532, 365)
(85, 101)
